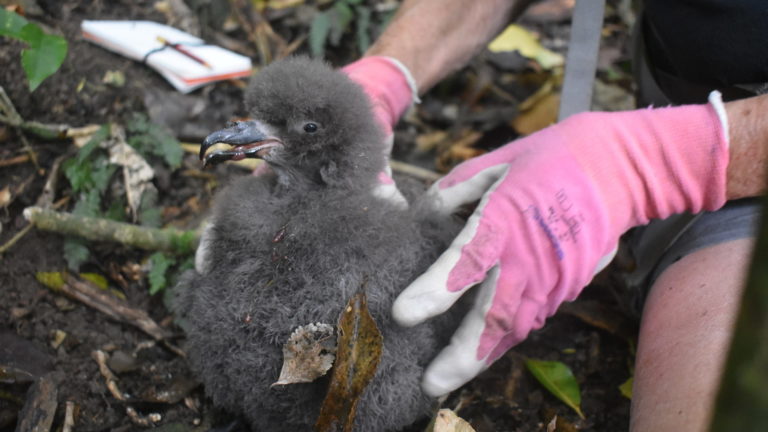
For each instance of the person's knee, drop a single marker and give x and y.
(684, 337)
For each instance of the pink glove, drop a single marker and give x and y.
(553, 207)
(388, 83)
(391, 89)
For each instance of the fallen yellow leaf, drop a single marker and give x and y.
(517, 38)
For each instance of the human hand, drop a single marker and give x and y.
(552, 208)
(391, 90)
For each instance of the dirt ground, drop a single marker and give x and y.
(594, 337)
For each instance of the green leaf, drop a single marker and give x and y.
(149, 212)
(88, 204)
(79, 175)
(626, 388)
(53, 280)
(44, 56)
(363, 25)
(116, 210)
(341, 16)
(152, 139)
(184, 242)
(11, 23)
(95, 278)
(559, 380)
(159, 265)
(79, 170)
(318, 33)
(168, 148)
(75, 252)
(101, 172)
(96, 139)
(138, 123)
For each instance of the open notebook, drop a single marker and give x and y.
(192, 64)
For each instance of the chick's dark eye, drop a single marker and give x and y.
(310, 128)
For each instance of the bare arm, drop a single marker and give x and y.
(435, 37)
(748, 136)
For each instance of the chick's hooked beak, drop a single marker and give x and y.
(249, 139)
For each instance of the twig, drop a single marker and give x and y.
(28, 148)
(101, 359)
(111, 306)
(69, 417)
(144, 421)
(414, 171)
(15, 239)
(10, 116)
(8, 113)
(97, 229)
(24, 231)
(45, 200)
(14, 160)
(148, 420)
(261, 34)
(46, 197)
(293, 46)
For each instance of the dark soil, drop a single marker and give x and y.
(505, 398)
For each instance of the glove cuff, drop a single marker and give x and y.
(652, 163)
(387, 82)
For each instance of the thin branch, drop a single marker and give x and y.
(14, 161)
(414, 171)
(10, 116)
(97, 229)
(8, 113)
(111, 306)
(15, 239)
(46, 197)
(100, 357)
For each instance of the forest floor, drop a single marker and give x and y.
(44, 333)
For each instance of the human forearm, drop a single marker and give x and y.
(748, 150)
(435, 37)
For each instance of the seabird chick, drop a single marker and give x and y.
(289, 248)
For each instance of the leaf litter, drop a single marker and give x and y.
(503, 397)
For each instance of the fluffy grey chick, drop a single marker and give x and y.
(290, 248)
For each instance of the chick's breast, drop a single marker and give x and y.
(280, 262)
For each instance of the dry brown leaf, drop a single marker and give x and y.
(137, 173)
(359, 346)
(428, 141)
(81, 135)
(308, 354)
(460, 150)
(448, 421)
(601, 316)
(5, 196)
(542, 114)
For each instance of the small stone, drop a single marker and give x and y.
(121, 362)
(63, 304)
(19, 312)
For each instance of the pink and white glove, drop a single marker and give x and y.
(391, 89)
(552, 208)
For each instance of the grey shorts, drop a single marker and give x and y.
(659, 244)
